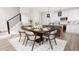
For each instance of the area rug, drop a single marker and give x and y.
(44, 47)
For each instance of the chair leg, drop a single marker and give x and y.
(55, 40)
(43, 41)
(24, 40)
(33, 43)
(39, 43)
(20, 37)
(50, 42)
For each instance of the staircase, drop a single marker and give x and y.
(4, 35)
(13, 26)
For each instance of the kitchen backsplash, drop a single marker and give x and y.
(73, 22)
(65, 23)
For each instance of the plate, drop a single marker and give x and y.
(45, 29)
(29, 28)
(36, 29)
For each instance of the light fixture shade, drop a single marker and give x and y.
(48, 15)
(60, 13)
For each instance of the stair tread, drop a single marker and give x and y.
(4, 36)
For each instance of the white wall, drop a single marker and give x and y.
(30, 13)
(5, 14)
(53, 17)
(71, 14)
(44, 19)
(25, 14)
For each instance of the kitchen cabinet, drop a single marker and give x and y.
(73, 28)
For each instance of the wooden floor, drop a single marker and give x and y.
(72, 43)
(6, 46)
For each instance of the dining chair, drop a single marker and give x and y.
(52, 35)
(28, 36)
(22, 35)
(31, 37)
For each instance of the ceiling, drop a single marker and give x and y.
(56, 9)
(45, 9)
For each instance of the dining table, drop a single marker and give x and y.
(40, 32)
(36, 31)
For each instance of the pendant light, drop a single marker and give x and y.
(48, 14)
(59, 13)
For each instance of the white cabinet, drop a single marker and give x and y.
(72, 28)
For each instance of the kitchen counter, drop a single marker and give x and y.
(60, 32)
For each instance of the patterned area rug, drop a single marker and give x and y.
(44, 47)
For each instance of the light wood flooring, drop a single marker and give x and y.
(72, 42)
(6, 46)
